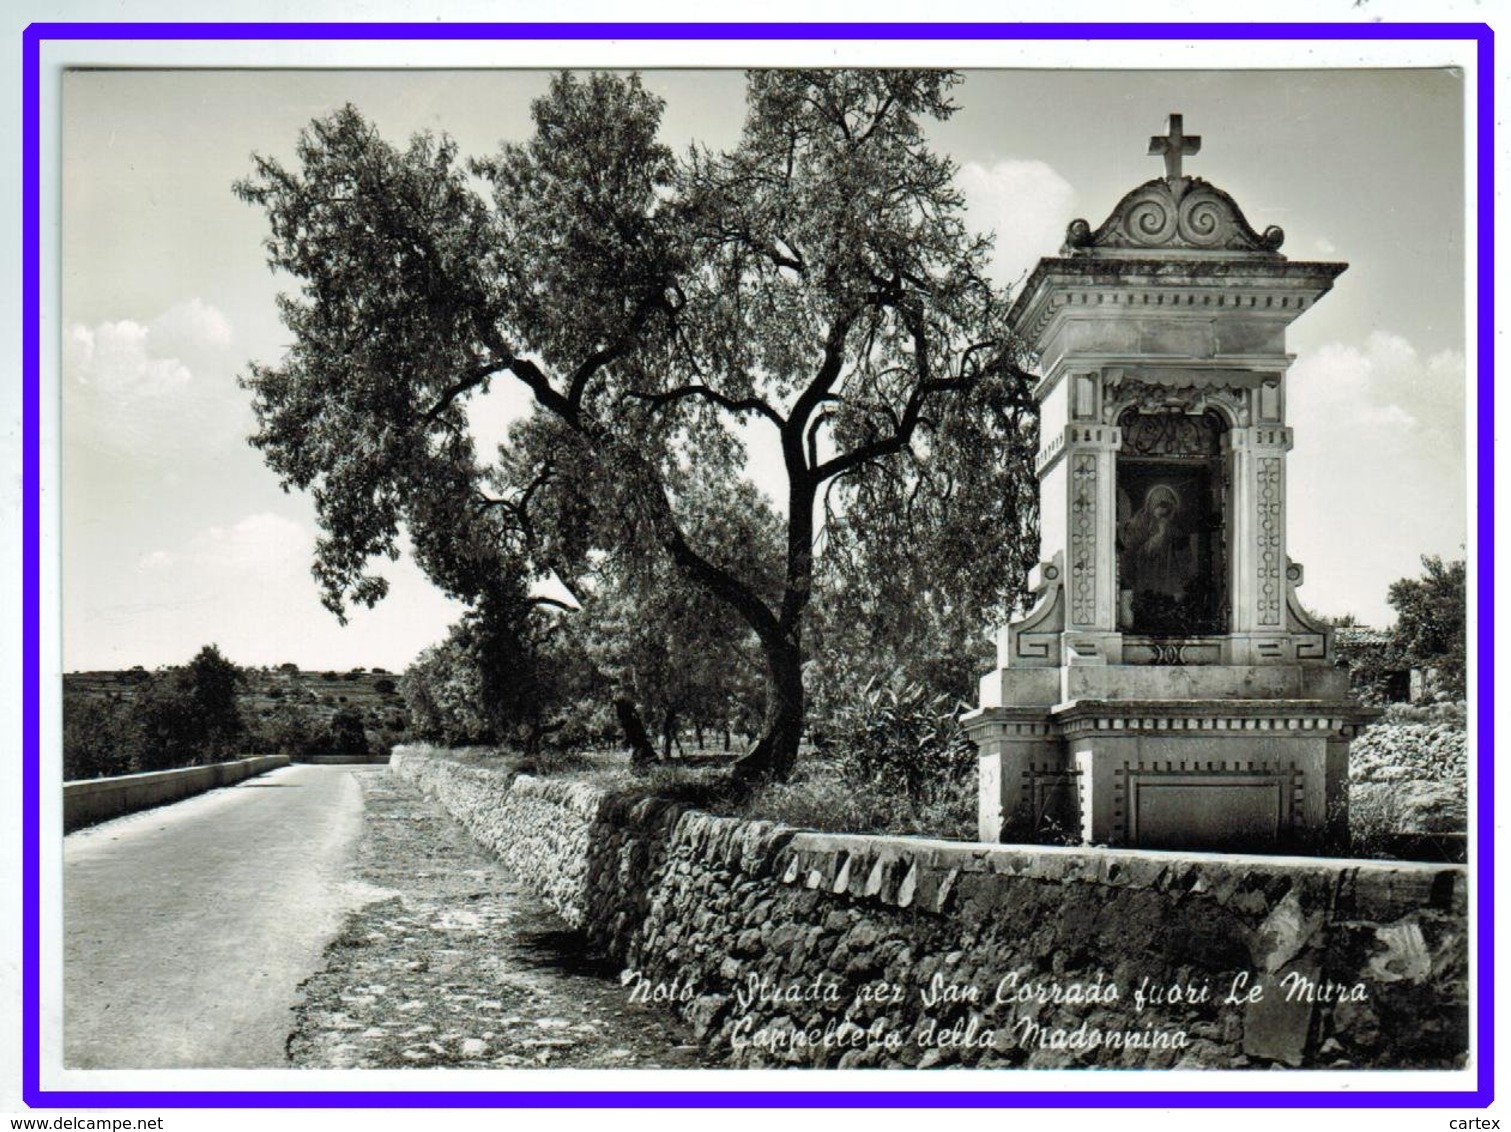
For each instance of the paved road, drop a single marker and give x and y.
(187, 929)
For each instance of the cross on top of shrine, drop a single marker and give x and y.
(1173, 147)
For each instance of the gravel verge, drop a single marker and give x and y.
(461, 966)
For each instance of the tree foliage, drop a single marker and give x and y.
(1430, 627)
(346, 734)
(500, 676)
(96, 741)
(183, 716)
(816, 282)
(670, 651)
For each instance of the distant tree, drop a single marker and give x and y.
(215, 686)
(347, 736)
(190, 715)
(291, 731)
(97, 738)
(1431, 624)
(480, 683)
(816, 281)
(1379, 671)
(669, 651)
(385, 687)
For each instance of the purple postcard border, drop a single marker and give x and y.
(33, 38)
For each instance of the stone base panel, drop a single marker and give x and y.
(1221, 775)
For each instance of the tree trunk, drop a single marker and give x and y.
(774, 756)
(668, 733)
(635, 737)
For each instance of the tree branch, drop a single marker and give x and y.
(717, 580)
(578, 383)
(877, 119)
(795, 430)
(902, 435)
(733, 404)
(467, 384)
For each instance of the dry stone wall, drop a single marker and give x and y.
(792, 948)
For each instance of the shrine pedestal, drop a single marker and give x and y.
(1221, 773)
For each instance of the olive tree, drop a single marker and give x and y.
(816, 281)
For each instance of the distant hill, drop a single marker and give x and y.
(286, 709)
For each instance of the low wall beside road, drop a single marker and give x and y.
(785, 947)
(96, 799)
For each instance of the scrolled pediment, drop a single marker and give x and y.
(1187, 216)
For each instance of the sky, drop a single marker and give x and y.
(175, 535)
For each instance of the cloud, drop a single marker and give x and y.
(245, 585)
(1377, 478)
(115, 362)
(191, 327)
(1386, 386)
(1027, 203)
(153, 389)
(264, 545)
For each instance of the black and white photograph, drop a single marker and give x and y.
(753, 570)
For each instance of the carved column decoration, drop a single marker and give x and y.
(1271, 541)
(1083, 539)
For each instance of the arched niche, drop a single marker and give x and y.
(1172, 523)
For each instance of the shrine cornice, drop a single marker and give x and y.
(1278, 290)
(1292, 717)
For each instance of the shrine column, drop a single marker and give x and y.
(1259, 546)
(1078, 485)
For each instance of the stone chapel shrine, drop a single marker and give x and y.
(1166, 690)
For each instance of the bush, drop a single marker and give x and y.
(1455, 715)
(893, 759)
(902, 741)
(1408, 774)
(822, 795)
(1414, 752)
(387, 739)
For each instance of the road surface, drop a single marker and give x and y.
(188, 928)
